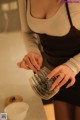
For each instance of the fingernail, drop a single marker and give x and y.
(67, 87)
(18, 65)
(38, 68)
(51, 88)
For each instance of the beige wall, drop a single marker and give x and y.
(9, 16)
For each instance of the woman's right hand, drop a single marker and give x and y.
(31, 61)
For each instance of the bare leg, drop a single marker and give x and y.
(77, 113)
(63, 111)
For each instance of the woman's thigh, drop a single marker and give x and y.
(63, 111)
(77, 113)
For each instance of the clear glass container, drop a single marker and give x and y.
(41, 85)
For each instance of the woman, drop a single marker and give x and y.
(57, 25)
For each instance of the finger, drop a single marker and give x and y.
(53, 73)
(64, 81)
(28, 62)
(39, 61)
(19, 64)
(23, 65)
(34, 62)
(57, 74)
(71, 83)
(58, 80)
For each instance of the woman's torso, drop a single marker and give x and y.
(59, 34)
(58, 24)
(44, 9)
(60, 37)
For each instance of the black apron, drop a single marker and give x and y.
(59, 49)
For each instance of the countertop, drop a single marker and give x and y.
(15, 81)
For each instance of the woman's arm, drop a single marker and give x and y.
(74, 63)
(33, 59)
(30, 41)
(65, 72)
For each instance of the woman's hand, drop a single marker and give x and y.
(31, 61)
(64, 73)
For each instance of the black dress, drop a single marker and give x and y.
(59, 49)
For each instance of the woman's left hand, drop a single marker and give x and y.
(64, 73)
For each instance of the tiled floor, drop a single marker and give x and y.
(49, 109)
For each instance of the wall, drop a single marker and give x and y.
(9, 16)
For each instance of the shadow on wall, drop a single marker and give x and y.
(9, 16)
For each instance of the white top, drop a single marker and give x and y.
(57, 25)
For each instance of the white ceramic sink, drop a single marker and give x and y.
(15, 81)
